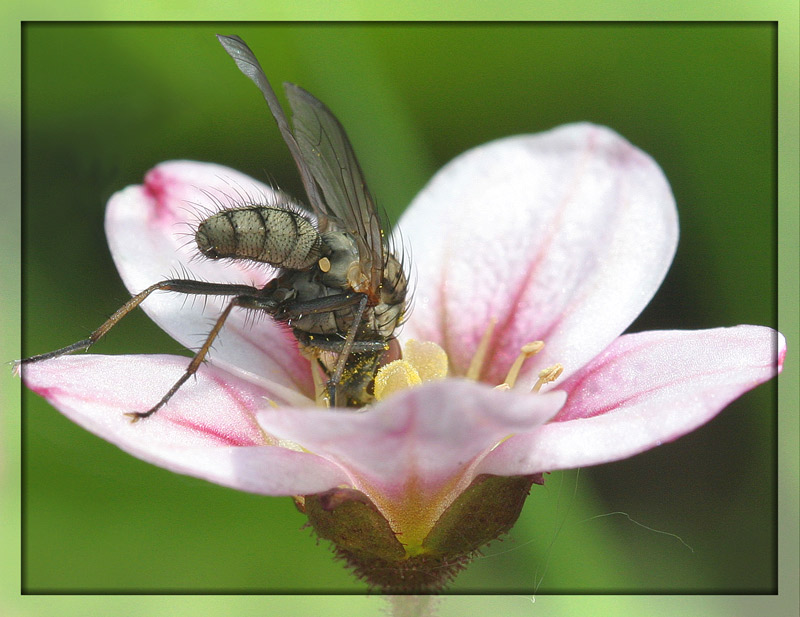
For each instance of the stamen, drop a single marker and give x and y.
(548, 375)
(476, 365)
(528, 350)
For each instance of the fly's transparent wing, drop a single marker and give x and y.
(249, 65)
(329, 156)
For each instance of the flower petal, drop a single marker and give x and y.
(562, 236)
(644, 390)
(207, 429)
(416, 449)
(149, 230)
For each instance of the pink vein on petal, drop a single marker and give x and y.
(224, 438)
(528, 279)
(575, 383)
(248, 410)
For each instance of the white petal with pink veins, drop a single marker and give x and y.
(562, 236)
(207, 429)
(644, 390)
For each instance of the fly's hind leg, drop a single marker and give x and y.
(244, 296)
(135, 416)
(244, 301)
(176, 285)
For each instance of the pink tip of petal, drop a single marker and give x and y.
(207, 430)
(155, 188)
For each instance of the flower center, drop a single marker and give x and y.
(412, 511)
(426, 361)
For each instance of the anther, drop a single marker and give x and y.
(395, 376)
(525, 352)
(548, 375)
(476, 365)
(427, 358)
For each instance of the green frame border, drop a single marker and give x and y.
(786, 14)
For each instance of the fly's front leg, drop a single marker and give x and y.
(349, 341)
(177, 285)
(335, 343)
(328, 304)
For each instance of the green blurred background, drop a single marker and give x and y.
(104, 103)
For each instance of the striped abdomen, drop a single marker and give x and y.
(275, 236)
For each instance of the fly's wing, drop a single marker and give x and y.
(249, 65)
(329, 157)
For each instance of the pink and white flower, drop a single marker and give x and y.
(561, 237)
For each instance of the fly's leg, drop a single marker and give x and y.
(135, 416)
(244, 301)
(295, 310)
(328, 304)
(349, 341)
(288, 311)
(177, 285)
(336, 345)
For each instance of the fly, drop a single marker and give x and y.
(339, 286)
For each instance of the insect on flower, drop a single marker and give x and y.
(339, 286)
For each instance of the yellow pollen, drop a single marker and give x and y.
(476, 365)
(525, 352)
(324, 264)
(548, 375)
(427, 358)
(395, 376)
(422, 361)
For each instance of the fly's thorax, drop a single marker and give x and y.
(277, 236)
